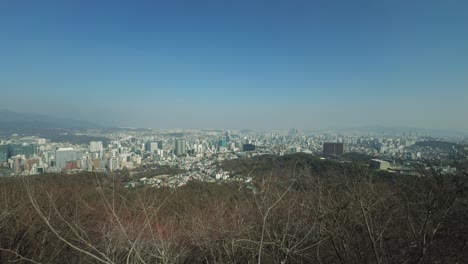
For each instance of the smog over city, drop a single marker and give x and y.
(233, 131)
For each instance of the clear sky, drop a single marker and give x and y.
(238, 64)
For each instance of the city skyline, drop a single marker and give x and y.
(257, 64)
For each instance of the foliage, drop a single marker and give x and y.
(356, 157)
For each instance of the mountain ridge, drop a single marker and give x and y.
(20, 122)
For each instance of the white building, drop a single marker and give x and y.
(64, 155)
(95, 146)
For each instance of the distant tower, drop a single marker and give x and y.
(293, 132)
(180, 147)
(228, 136)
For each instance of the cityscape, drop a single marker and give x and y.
(256, 132)
(197, 154)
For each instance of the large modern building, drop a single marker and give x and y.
(160, 144)
(376, 164)
(151, 146)
(11, 150)
(64, 155)
(180, 147)
(333, 149)
(249, 147)
(95, 146)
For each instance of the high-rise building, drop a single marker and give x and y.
(151, 146)
(333, 149)
(160, 144)
(198, 148)
(17, 165)
(180, 147)
(113, 163)
(293, 132)
(160, 152)
(95, 146)
(222, 143)
(3, 154)
(64, 155)
(28, 150)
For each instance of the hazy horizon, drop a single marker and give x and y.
(242, 64)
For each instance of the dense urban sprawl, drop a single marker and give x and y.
(196, 154)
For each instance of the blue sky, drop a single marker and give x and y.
(238, 64)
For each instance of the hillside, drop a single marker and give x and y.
(304, 210)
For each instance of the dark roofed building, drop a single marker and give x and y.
(333, 149)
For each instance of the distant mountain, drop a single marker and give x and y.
(394, 130)
(17, 122)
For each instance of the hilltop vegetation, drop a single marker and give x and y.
(305, 210)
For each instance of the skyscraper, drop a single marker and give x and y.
(160, 144)
(4, 153)
(180, 147)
